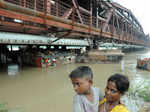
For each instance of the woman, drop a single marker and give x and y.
(117, 85)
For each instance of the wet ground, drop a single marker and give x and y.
(31, 89)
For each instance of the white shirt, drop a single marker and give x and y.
(82, 104)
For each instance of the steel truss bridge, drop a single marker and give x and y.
(96, 20)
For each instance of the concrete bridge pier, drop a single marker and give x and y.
(48, 47)
(95, 44)
(3, 54)
(0, 55)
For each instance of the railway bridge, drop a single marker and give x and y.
(92, 20)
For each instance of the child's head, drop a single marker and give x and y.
(82, 79)
(117, 85)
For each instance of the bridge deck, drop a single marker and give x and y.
(60, 19)
(24, 39)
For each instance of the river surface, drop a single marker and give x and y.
(33, 89)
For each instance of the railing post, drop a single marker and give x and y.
(96, 20)
(57, 8)
(132, 33)
(24, 3)
(45, 6)
(128, 37)
(48, 6)
(90, 25)
(35, 4)
(73, 16)
(46, 10)
(113, 28)
(126, 32)
(121, 30)
(76, 5)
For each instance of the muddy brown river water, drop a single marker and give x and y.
(50, 90)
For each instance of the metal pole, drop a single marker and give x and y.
(90, 25)
(24, 3)
(48, 6)
(35, 3)
(73, 16)
(0, 55)
(57, 8)
(6, 54)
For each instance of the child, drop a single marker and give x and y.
(54, 62)
(117, 85)
(87, 97)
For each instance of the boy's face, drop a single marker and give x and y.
(81, 85)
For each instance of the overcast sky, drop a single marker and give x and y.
(140, 9)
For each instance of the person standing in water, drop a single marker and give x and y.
(117, 85)
(87, 97)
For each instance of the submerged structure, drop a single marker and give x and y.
(101, 56)
(106, 55)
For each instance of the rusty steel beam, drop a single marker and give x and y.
(60, 37)
(109, 15)
(130, 13)
(23, 17)
(67, 13)
(50, 22)
(77, 9)
(22, 10)
(18, 26)
(16, 8)
(17, 12)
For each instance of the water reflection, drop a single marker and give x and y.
(137, 78)
(50, 89)
(147, 55)
(13, 70)
(144, 54)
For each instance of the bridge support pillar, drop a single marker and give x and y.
(7, 51)
(95, 45)
(64, 48)
(88, 48)
(56, 47)
(0, 55)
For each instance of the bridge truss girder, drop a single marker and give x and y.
(107, 20)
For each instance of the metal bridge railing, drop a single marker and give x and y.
(60, 9)
(85, 17)
(94, 21)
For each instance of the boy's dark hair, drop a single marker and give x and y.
(82, 72)
(121, 81)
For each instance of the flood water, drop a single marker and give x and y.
(33, 89)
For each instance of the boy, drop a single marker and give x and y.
(87, 97)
